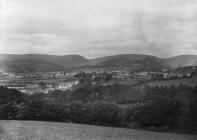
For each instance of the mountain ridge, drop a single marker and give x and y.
(181, 60)
(73, 60)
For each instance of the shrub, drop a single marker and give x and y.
(55, 112)
(7, 111)
(82, 94)
(127, 116)
(159, 113)
(78, 113)
(35, 106)
(103, 113)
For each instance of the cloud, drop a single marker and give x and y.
(95, 28)
(34, 43)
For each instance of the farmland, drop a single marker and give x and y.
(189, 82)
(34, 130)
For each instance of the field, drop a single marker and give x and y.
(189, 82)
(34, 130)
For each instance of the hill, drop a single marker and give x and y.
(181, 60)
(145, 62)
(66, 60)
(40, 62)
(141, 62)
(192, 82)
(36, 65)
(31, 130)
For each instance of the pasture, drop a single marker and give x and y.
(189, 82)
(35, 130)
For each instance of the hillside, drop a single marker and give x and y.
(66, 60)
(145, 62)
(37, 65)
(40, 62)
(31, 130)
(188, 82)
(181, 60)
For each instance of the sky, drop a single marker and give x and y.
(94, 28)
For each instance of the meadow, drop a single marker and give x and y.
(189, 82)
(38, 130)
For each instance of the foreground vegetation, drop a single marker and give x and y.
(36, 130)
(156, 108)
(187, 81)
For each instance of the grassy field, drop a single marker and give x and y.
(34, 130)
(190, 82)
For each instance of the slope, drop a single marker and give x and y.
(181, 60)
(145, 62)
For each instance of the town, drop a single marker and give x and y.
(44, 82)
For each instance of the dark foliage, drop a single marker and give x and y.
(171, 107)
(159, 113)
(103, 113)
(78, 113)
(81, 94)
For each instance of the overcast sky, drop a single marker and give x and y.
(95, 28)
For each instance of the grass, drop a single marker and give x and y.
(35, 130)
(189, 82)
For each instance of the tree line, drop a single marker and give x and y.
(158, 107)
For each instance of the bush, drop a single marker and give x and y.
(103, 113)
(55, 112)
(159, 113)
(189, 121)
(11, 102)
(78, 113)
(193, 115)
(127, 116)
(82, 94)
(7, 111)
(171, 107)
(35, 106)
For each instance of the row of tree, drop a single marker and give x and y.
(171, 107)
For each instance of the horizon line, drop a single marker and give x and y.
(98, 56)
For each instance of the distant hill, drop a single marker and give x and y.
(36, 65)
(66, 60)
(41, 62)
(146, 62)
(181, 60)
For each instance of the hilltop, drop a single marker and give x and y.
(41, 62)
(181, 60)
(146, 62)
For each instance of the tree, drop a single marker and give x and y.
(159, 113)
(78, 112)
(35, 106)
(42, 85)
(81, 94)
(53, 111)
(103, 113)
